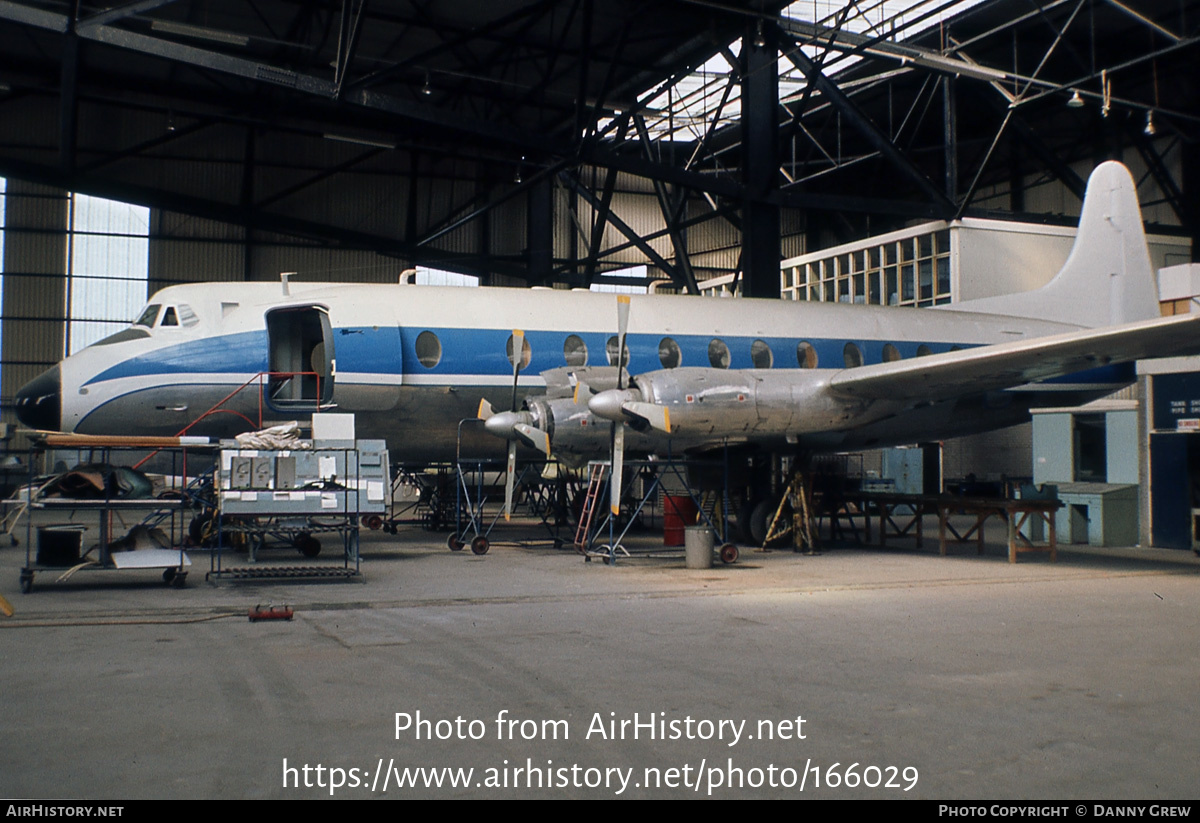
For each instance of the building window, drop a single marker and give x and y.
(108, 262)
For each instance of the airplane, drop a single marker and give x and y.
(413, 362)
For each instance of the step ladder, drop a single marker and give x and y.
(595, 486)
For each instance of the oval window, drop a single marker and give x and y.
(526, 351)
(923, 350)
(890, 353)
(669, 354)
(575, 351)
(806, 355)
(718, 354)
(852, 356)
(429, 349)
(611, 348)
(760, 355)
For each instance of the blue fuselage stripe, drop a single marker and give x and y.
(482, 352)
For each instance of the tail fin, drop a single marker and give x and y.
(1107, 278)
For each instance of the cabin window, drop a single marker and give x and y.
(923, 350)
(169, 317)
(611, 348)
(148, 316)
(890, 353)
(526, 351)
(186, 316)
(301, 357)
(575, 351)
(760, 355)
(429, 349)
(718, 354)
(669, 354)
(852, 356)
(806, 355)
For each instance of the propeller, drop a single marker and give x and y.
(618, 426)
(518, 354)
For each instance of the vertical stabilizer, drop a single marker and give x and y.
(1107, 278)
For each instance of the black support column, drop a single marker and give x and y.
(760, 160)
(540, 232)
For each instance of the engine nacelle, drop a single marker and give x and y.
(702, 402)
(577, 433)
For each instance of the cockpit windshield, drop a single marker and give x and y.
(149, 315)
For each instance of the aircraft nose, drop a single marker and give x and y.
(39, 402)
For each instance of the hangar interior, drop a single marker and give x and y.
(762, 148)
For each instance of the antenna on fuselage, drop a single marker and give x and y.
(283, 278)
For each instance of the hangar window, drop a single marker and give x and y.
(890, 353)
(429, 349)
(852, 356)
(760, 355)
(611, 348)
(108, 259)
(526, 351)
(669, 354)
(575, 351)
(718, 354)
(806, 355)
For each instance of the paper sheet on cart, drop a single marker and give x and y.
(150, 559)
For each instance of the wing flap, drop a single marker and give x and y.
(1004, 365)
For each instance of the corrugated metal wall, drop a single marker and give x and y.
(35, 259)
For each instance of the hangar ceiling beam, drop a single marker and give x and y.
(862, 123)
(250, 217)
(670, 214)
(620, 225)
(590, 151)
(120, 12)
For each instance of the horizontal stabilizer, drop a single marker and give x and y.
(1005, 365)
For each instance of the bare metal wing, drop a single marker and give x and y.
(987, 368)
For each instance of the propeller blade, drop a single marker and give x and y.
(510, 479)
(518, 354)
(622, 328)
(533, 437)
(618, 464)
(486, 409)
(648, 414)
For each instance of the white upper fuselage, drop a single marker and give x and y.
(160, 382)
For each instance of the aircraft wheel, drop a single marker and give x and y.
(179, 581)
(308, 545)
(760, 521)
(480, 545)
(169, 576)
(454, 544)
(374, 522)
(729, 553)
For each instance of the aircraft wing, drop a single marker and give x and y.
(1004, 365)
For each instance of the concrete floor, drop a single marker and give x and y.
(961, 677)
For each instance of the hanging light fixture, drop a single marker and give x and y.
(1076, 102)
(1150, 130)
